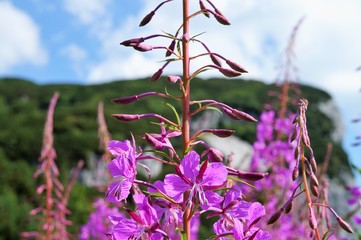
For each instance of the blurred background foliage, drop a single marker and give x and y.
(23, 107)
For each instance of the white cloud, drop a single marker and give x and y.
(20, 40)
(77, 57)
(74, 52)
(87, 11)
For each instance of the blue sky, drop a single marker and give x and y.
(77, 41)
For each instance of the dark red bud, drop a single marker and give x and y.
(127, 117)
(236, 67)
(221, 19)
(170, 49)
(222, 133)
(147, 19)
(295, 173)
(251, 176)
(132, 42)
(125, 100)
(203, 8)
(157, 75)
(313, 180)
(229, 72)
(344, 225)
(288, 206)
(275, 216)
(143, 47)
(215, 60)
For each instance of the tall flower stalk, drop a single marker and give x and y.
(200, 184)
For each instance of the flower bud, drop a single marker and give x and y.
(157, 75)
(229, 72)
(143, 47)
(215, 60)
(147, 19)
(222, 133)
(288, 206)
(312, 220)
(127, 117)
(236, 67)
(132, 42)
(251, 176)
(173, 79)
(239, 115)
(275, 216)
(221, 19)
(170, 49)
(203, 8)
(153, 142)
(344, 225)
(295, 172)
(214, 155)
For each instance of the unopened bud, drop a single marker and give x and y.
(236, 67)
(221, 19)
(288, 206)
(251, 176)
(222, 133)
(295, 172)
(239, 115)
(214, 155)
(313, 163)
(344, 225)
(312, 220)
(127, 117)
(143, 47)
(153, 142)
(229, 72)
(147, 19)
(132, 42)
(173, 79)
(275, 216)
(215, 60)
(156, 75)
(203, 8)
(170, 49)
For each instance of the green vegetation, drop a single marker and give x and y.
(23, 107)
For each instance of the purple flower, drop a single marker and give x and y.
(142, 225)
(122, 170)
(98, 224)
(199, 180)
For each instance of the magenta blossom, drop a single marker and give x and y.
(122, 169)
(198, 180)
(143, 225)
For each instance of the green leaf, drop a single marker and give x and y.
(175, 112)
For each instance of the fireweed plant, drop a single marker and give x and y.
(53, 214)
(201, 184)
